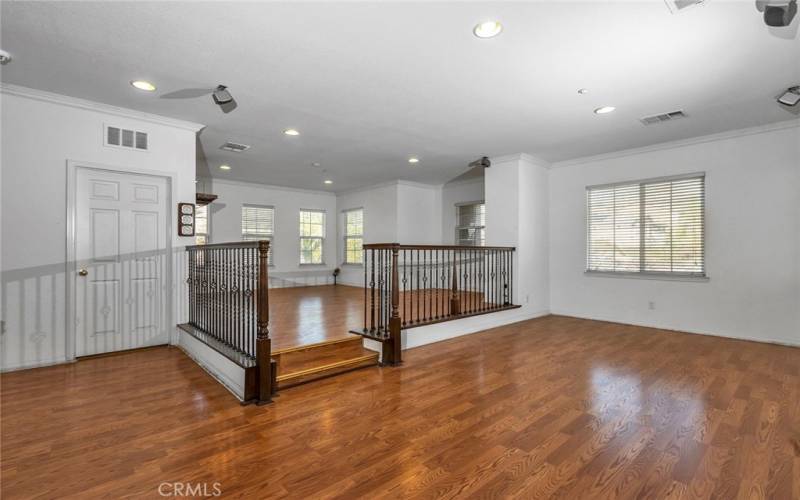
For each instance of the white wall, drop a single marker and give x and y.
(453, 194)
(40, 132)
(419, 214)
(380, 222)
(753, 239)
(226, 224)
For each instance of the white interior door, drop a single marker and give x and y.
(121, 255)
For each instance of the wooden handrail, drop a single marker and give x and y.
(387, 246)
(233, 244)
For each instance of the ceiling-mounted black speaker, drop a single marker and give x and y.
(780, 14)
(481, 162)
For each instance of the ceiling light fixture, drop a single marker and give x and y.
(604, 110)
(413, 159)
(143, 85)
(5, 57)
(224, 167)
(291, 131)
(583, 91)
(487, 29)
(791, 97)
(328, 181)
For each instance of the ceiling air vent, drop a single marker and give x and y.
(663, 117)
(236, 148)
(125, 138)
(676, 6)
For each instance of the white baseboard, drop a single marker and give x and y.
(35, 364)
(424, 335)
(662, 327)
(225, 371)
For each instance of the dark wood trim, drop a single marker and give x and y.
(387, 246)
(392, 349)
(204, 198)
(234, 244)
(462, 316)
(263, 342)
(448, 318)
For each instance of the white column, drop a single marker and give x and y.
(517, 215)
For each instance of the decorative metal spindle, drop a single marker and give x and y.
(511, 278)
(364, 262)
(372, 290)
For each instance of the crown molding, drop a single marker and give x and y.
(463, 182)
(721, 136)
(74, 102)
(420, 185)
(527, 157)
(258, 185)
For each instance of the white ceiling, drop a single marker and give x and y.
(369, 84)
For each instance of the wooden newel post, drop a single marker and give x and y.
(455, 304)
(263, 342)
(392, 348)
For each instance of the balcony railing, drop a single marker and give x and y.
(229, 307)
(407, 286)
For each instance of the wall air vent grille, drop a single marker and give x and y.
(125, 138)
(235, 147)
(663, 117)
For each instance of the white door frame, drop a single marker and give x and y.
(71, 268)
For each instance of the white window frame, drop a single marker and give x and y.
(352, 236)
(650, 275)
(207, 234)
(458, 220)
(320, 238)
(268, 237)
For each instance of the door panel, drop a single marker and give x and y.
(121, 244)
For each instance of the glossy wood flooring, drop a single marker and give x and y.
(548, 408)
(313, 314)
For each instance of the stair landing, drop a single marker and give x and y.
(296, 365)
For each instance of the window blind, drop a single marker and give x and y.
(471, 224)
(258, 223)
(353, 236)
(648, 227)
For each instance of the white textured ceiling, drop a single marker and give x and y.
(369, 84)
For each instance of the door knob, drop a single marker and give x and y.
(83, 272)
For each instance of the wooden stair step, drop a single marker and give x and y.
(305, 363)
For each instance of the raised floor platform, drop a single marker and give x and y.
(308, 315)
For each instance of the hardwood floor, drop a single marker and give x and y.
(313, 314)
(549, 408)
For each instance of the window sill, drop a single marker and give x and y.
(349, 264)
(645, 276)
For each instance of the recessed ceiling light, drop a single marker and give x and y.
(315, 164)
(487, 29)
(143, 85)
(413, 159)
(583, 91)
(604, 110)
(291, 131)
(328, 181)
(224, 167)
